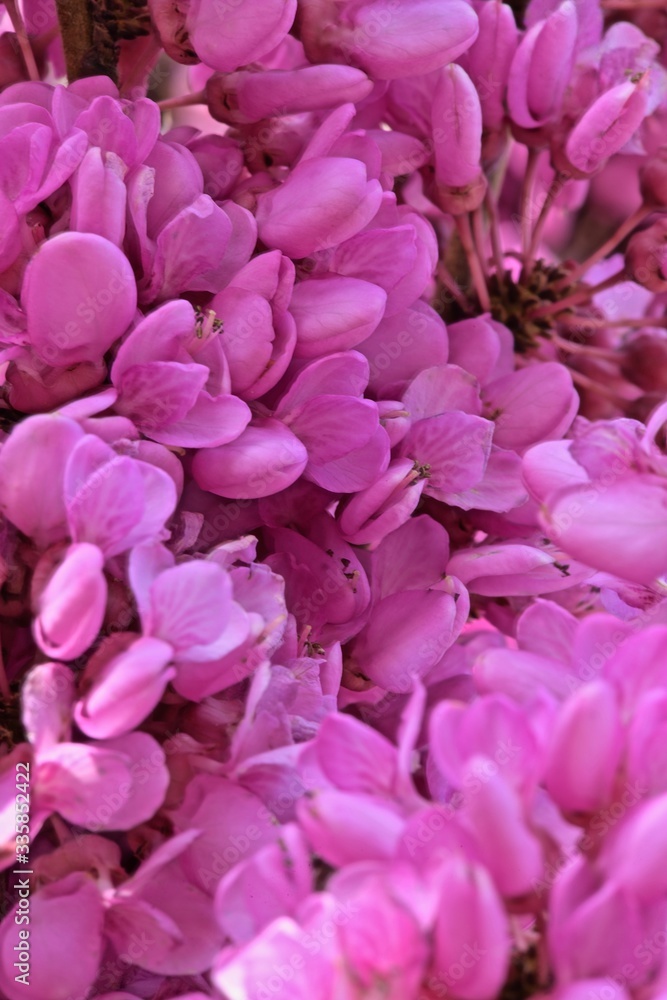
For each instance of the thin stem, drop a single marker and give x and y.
(494, 232)
(23, 40)
(452, 286)
(633, 4)
(543, 964)
(476, 271)
(527, 194)
(633, 323)
(62, 832)
(5, 691)
(479, 238)
(592, 386)
(577, 298)
(626, 227)
(182, 102)
(571, 347)
(555, 188)
(499, 173)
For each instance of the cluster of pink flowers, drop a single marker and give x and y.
(333, 502)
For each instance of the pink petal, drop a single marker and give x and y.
(410, 40)
(79, 295)
(531, 405)
(334, 314)
(235, 35)
(406, 635)
(588, 728)
(472, 923)
(295, 218)
(37, 451)
(264, 459)
(64, 915)
(99, 197)
(126, 690)
(71, 608)
(620, 528)
(343, 828)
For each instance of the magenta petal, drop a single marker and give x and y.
(384, 506)
(211, 422)
(189, 251)
(354, 757)
(637, 856)
(284, 945)
(471, 914)
(37, 451)
(334, 314)
(113, 500)
(231, 35)
(196, 938)
(588, 728)
(454, 446)
(475, 346)
(79, 295)
(265, 459)
(541, 68)
(247, 96)
(531, 405)
(607, 125)
(159, 393)
(71, 607)
(404, 344)
(333, 426)
(74, 779)
(138, 799)
(99, 197)
(620, 528)
(440, 389)
(412, 39)
(269, 884)
(457, 128)
(126, 690)
(159, 336)
(190, 605)
(343, 827)
(233, 822)
(295, 219)
(64, 915)
(406, 635)
(357, 470)
(490, 57)
(10, 238)
(493, 813)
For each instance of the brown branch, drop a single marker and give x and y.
(90, 48)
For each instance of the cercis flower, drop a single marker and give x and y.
(172, 351)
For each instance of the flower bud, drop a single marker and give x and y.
(246, 97)
(646, 257)
(457, 138)
(645, 362)
(607, 125)
(653, 179)
(541, 68)
(168, 19)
